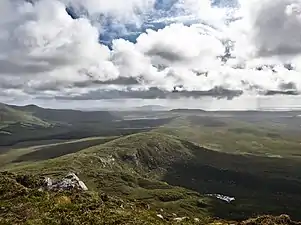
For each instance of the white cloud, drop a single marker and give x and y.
(178, 43)
(44, 52)
(118, 9)
(273, 26)
(203, 10)
(42, 40)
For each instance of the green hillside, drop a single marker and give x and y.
(137, 176)
(22, 203)
(65, 115)
(33, 123)
(268, 135)
(9, 115)
(46, 208)
(162, 171)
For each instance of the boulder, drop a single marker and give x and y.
(69, 182)
(222, 197)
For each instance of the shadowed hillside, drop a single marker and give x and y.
(32, 123)
(10, 115)
(66, 116)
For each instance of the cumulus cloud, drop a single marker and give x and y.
(118, 9)
(43, 38)
(220, 50)
(43, 42)
(179, 44)
(274, 26)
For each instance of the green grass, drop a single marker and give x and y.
(152, 166)
(48, 151)
(121, 176)
(22, 203)
(236, 137)
(128, 177)
(9, 115)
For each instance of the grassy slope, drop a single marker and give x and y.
(236, 136)
(121, 177)
(137, 167)
(261, 184)
(9, 115)
(66, 116)
(22, 203)
(32, 123)
(25, 155)
(67, 125)
(124, 176)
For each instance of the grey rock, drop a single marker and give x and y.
(180, 219)
(82, 185)
(69, 182)
(222, 197)
(48, 181)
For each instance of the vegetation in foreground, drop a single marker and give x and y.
(176, 175)
(21, 202)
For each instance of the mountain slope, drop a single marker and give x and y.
(10, 115)
(33, 123)
(22, 203)
(151, 167)
(65, 115)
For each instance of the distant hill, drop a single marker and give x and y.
(11, 115)
(66, 115)
(187, 110)
(31, 122)
(151, 108)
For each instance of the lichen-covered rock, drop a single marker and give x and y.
(69, 182)
(222, 197)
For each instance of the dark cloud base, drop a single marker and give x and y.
(155, 93)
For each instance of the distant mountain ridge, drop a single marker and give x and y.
(57, 115)
(181, 110)
(31, 122)
(151, 108)
(11, 115)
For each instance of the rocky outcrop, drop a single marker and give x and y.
(222, 197)
(69, 182)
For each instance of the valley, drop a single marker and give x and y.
(157, 162)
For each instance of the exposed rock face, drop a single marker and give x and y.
(222, 197)
(69, 182)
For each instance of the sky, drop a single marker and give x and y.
(88, 53)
